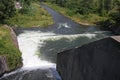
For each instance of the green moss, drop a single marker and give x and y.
(35, 17)
(8, 49)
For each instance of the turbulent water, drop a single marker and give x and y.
(29, 42)
(39, 47)
(39, 53)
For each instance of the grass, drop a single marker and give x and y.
(90, 19)
(8, 49)
(37, 17)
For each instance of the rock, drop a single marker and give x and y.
(18, 5)
(99, 60)
(3, 65)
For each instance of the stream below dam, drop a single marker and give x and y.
(39, 46)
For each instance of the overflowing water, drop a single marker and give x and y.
(29, 42)
(39, 53)
(40, 46)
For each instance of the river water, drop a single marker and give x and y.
(39, 46)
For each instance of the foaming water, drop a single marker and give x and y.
(28, 44)
(29, 41)
(32, 43)
(36, 68)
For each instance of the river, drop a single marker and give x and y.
(39, 46)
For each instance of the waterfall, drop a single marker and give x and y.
(29, 42)
(40, 47)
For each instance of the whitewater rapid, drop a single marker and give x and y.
(28, 44)
(29, 41)
(32, 42)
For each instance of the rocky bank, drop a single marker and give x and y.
(4, 67)
(99, 60)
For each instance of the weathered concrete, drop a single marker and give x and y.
(117, 38)
(99, 60)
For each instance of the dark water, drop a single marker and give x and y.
(64, 34)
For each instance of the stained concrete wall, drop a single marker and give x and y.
(99, 60)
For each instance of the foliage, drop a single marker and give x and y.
(101, 7)
(25, 10)
(7, 9)
(80, 18)
(108, 9)
(113, 17)
(35, 17)
(8, 49)
(25, 2)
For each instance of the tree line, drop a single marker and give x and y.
(108, 8)
(7, 8)
(105, 8)
(101, 7)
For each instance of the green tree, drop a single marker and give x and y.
(7, 9)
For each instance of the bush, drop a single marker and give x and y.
(7, 9)
(115, 16)
(70, 12)
(25, 10)
(8, 49)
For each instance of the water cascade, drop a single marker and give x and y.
(39, 47)
(36, 68)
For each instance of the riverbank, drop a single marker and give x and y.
(10, 56)
(36, 17)
(90, 19)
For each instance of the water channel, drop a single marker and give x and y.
(39, 46)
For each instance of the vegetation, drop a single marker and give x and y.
(90, 11)
(85, 19)
(8, 49)
(32, 16)
(7, 9)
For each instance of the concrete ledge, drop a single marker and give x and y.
(117, 38)
(99, 60)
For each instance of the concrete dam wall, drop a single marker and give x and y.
(99, 60)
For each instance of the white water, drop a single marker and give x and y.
(29, 42)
